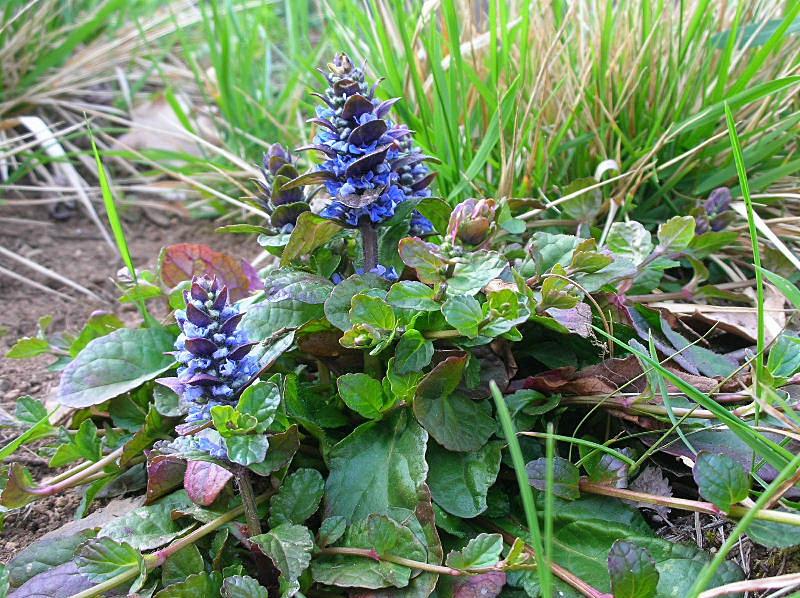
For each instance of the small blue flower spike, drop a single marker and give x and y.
(213, 356)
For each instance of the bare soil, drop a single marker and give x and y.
(74, 249)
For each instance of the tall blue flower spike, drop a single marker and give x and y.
(371, 164)
(213, 356)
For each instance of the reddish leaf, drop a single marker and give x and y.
(183, 261)
(164, 473)
(612, 374)
(204, 481)
(485, 585)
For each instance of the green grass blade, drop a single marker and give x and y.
(751, 223)
(116, 227)
(525, 492)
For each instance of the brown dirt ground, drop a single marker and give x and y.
(74, 249)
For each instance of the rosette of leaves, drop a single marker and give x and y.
(213, 356)
(370, 163)
(283, 205)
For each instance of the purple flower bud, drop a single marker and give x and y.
(471, 221)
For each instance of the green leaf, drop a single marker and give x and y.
(483, 550)
(706, 361)
(230, 422)
(372, 311)
(331, 530)
(550, 249)
(772, 534)
(147, 527)
(403, 387)
(187, 561)
(199, 584)
(310, 231)
(28, 347)
(29, 411)
(289, 547)
(379, 466)
(96, 326)
(288, 283)
(298, 497)
(102, 558)
(412, 294)
(242, 586)
(424, 257)
(282, 448)
(676, 234)
(783, 361)
(114, 364)
(337, 306)
(43, 555)
(363, 394)
(413, 352)
(463, 313)
(247, 449)
(720, 479)
(262, 320)
(474, 271)
(565, 477)
(381, 534)
(702, 246)
(261, 401)
(631, 240)
(456, 422)
(459, 481)
(632, 570)
(787, 289)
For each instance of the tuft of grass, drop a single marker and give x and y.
(640, 83)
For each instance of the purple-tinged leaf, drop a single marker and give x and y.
(367, 162)
(383, 108)
(363, 199)
(204, 481)
(485, 585)
(185, 261)
(200, 346)
(424, 257)
(322, 123)
(316, 177)
(229, 325)
(632, 570)
(60, 582)
(565, 477)
(355, 106)
(424, 181)
(310, 232)
(196, 316)
(367, 133)
(327, 150)
(577, 320)
(164, 474)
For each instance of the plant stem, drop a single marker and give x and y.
(248, 500)
(736, 511)
(79, 476)
(158, 558)
(390, 558)
(369, 241)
